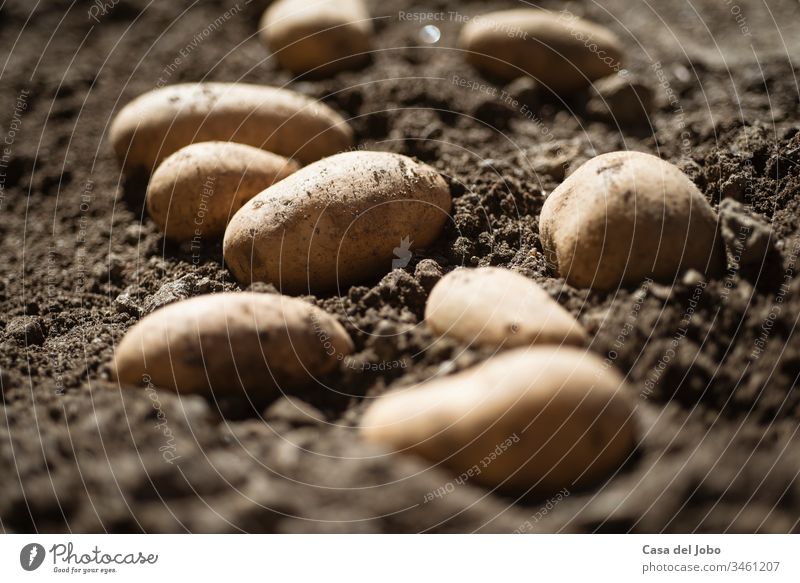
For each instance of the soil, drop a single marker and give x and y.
(712, 363)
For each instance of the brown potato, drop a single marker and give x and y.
(560, 51)
(232, 343)
(496, 307)
(162, 121)
(626, 216)
(194, 192)
(320, 37)
(538, 419)
(336, 222)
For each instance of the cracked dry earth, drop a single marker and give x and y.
(714, 371)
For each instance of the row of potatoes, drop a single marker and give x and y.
(562, 51)
(273, 173)
(226, 161)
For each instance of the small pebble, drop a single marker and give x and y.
(525, 90)
(27, 330)
(621, 99)
(693, 278)
(185, 287)
(748, 236)
(293, 411)
(428, 273)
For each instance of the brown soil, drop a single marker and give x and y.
(713, 363)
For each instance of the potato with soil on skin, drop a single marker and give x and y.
(496, 307)
(197, 189)
(539, 418)
(626, 216)
(562, 52)
(320, 37)
(336, 222)
(232, 343)
(162, 121)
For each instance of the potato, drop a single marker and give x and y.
(194, 192)
(560, 51)
(495, 308)
(626, 216)
(538, 418)
(338, 221)
(232, 343)
(320, 37)
(162, 121)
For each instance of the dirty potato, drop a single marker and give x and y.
(561, 51)
(530, 420)
(496, 307)
(336, 222)
(162, 121)
(626, 216)
(232, 343)
(195, 191)
(319, 37)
